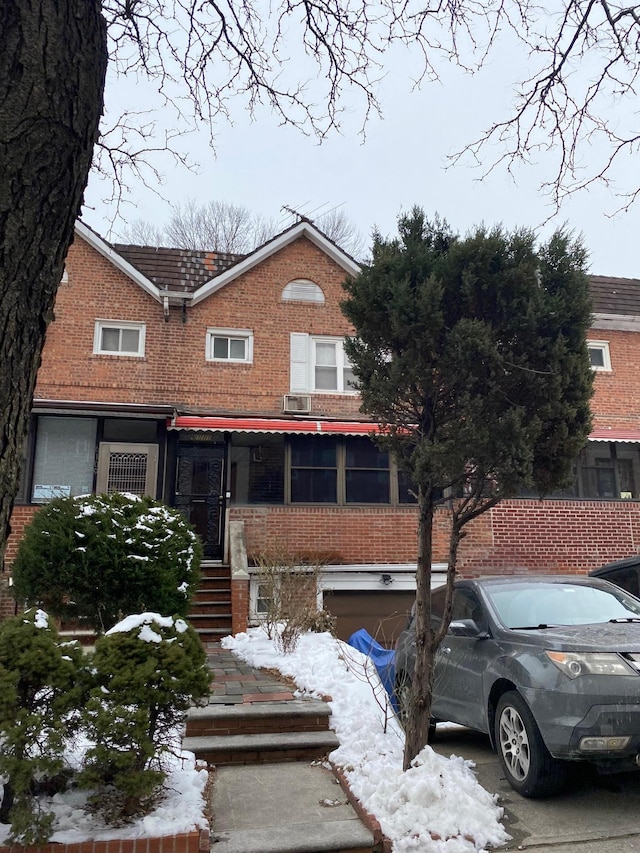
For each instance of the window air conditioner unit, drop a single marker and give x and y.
(297, 404)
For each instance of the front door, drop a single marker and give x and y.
(200, 493)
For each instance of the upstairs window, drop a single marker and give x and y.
(234, 345)
(599, 355)
(303, 290)
(320, 364)
(112, 337)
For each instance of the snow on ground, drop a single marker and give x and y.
(437, 806)
(179, 811)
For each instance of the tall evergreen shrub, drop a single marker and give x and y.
(40, 685)
(148, 670)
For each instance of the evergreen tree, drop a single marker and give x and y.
(101, 557)
(471, 354)
(148, 670)
(39, 687)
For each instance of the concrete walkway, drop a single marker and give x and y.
(275, 806)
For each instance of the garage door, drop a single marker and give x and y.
(383, 614)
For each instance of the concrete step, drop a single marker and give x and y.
(295, 715)
(262, 748)
(284, 808)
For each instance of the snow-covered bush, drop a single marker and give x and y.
(40, 685)
(148, 669)
(100, 557)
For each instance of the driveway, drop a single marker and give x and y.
(595, 814)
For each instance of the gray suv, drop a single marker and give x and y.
(548, 666)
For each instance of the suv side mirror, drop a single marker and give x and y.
(466, 628)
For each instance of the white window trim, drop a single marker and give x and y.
(603, 346)
(302, 364)
(245, 334)
(119, 324)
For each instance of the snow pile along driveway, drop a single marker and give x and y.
(437, 806)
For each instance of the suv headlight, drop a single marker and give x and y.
(575, 664)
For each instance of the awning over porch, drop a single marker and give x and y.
(615, 434)
(271, 425)
(320, 427)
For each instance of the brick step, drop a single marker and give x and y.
(262, 748)
(214, 584)
(202, 621)
(295, 715)
(215, 571)
(213, 635)
(210, 606)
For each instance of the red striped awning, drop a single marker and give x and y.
(615, 434)
(273, 425)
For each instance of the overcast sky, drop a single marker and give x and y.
(402, 161)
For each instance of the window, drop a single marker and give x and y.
(112, 337)
(131, 468)
(235, 345)
(599, 355)
(314, 470)
(349, 470)
(603, 471)
(320, 364)
(257, 469)
(366, 472)
(302, 290)
(64, 458)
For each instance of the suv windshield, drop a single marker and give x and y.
(529, 605)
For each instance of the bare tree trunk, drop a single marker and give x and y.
(417, 724)
(53, 59)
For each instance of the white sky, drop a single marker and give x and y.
(402, 162)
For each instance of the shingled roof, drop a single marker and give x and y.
(612, 295)
(177, 269)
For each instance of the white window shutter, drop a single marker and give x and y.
(299, 364)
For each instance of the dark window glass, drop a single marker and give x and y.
(116, 429)
(314, 473)
(257, 469)
(366, 472)
(367, 487)
(363, 453)
(312, 452)
(406, 490)
(309, 485)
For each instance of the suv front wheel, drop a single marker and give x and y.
(526, 761)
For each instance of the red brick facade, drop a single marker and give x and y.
(566, 535)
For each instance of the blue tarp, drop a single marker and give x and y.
(383, 659)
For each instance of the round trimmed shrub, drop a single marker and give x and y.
(99, 557)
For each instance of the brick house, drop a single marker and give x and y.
(218, 384)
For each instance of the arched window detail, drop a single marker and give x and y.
(303, 290)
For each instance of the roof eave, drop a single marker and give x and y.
(117, 260)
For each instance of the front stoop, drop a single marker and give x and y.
(284, 808)
(261, 748)
(240, 733)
